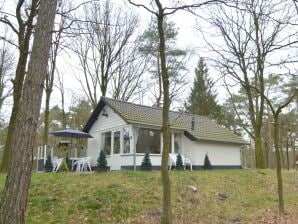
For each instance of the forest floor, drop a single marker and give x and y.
(222, 196)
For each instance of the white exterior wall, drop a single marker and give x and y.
(220, 154)
(103, 124)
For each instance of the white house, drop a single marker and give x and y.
(126, 130)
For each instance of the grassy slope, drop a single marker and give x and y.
(135, 197)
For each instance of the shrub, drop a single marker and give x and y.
(146, 163)
(179, 163)
(102, 161)
(207, 163)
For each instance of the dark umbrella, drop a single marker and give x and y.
(71, 133)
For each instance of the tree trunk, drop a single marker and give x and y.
(47, 117)
(278, 164)
(15, 194)
(166, 182)
(158, 98)
(24, 43)
(288, 160)
(260, 162)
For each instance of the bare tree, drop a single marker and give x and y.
(249, 36)
(15, 194)
(60, 86)
(49, 80)
(276, 106)
(60, 34)
(6, 67)
(176, 61)
(296, 4)
(161, 12)
(101, 38)
(127, 82)
(23, 30)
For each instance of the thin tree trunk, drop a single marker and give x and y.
(278, 164)
(260, 163)
(47, 117)
(288, 160)
(167, 207)
(24, 37)
(158, 99)
(15, 194)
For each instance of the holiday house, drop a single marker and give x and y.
(125, 131)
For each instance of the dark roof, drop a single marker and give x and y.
(204, 128)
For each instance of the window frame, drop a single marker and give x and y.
(103, 142)
(160, 141)
(113, 136)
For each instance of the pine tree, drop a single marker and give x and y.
(176, 58)
(146, 163)
(202, 99)
(102, 161)
(207, 163)
(179, 163)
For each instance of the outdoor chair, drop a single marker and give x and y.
(56, 164)
(81, 163)
(77, 165)
(86, 163)
(173, 158)
(186, 162)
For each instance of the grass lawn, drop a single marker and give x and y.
(135, 197)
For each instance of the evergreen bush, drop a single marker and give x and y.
(179, 163)
(146, 163)
(207, 163)
(102, 161)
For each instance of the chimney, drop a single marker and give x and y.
(193, 123)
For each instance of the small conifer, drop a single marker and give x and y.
(207, 163)
(146, 161)
(179, 163)
(102, 161)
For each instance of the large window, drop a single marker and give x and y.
(148, 140)
(126, 140)
(116, 142)
(107, 142)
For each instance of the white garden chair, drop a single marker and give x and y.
(86, 163)
(56, 164)
(82, 163)
(186, 162)
(173, 159)
(78, 165)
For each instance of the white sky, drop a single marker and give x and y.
(187, 38)
(185, 22)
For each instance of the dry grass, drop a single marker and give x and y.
(135, 197)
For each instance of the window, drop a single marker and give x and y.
(126, 140)
(148, 140)
(116, 142)
(106, 142)
(177, 143)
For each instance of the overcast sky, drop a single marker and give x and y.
(188, 38)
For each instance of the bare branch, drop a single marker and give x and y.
(143, 6)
